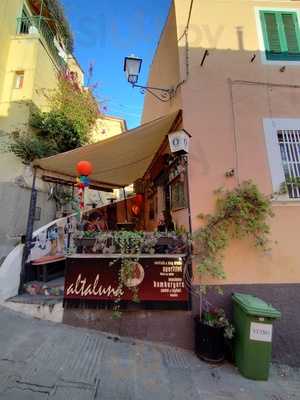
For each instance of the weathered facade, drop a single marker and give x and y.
(234, 66)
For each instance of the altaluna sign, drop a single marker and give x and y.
(157, 279)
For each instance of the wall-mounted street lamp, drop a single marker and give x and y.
(132, 68)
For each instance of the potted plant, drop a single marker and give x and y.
(211, 332)
(85, 241)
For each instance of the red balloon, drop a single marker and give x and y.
(84, 168)
(139, 198)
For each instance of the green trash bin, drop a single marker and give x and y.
(253, 320)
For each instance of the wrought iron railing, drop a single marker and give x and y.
(31, 25)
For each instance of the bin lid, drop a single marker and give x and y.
(253, 305)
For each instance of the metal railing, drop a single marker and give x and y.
(31, 25)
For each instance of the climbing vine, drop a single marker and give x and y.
(241, 212)
(127, 242)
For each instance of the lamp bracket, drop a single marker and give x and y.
(161, 94)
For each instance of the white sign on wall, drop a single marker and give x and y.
(261, 332)
(179, 141)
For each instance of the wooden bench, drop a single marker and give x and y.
(47, 269)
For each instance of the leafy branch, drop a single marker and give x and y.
(68, 124)
(241, 212)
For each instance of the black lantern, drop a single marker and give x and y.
(132, 68)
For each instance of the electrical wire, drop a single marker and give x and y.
(188, 21)
(187, 48)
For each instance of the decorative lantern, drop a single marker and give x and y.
(132, 68)
(135, 210)
(84, 168)
(139, 198)
(179, 141)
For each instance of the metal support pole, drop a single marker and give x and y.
(29, 231)
(41, 14)
(125, 203)
(190, 250)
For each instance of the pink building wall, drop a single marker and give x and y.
(224, 103)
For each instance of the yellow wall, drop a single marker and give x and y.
(9, 9)
(164, 72)
(26, 53)
(75, 67)
(106, 127)
(225, 119)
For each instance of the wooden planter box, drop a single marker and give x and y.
(84, 243)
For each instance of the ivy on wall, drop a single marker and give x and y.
(239, 213)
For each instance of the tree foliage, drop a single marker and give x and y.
(76, 104)
(68, 124)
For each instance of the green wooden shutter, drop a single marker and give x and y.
(271, 32)
(281, 35)
(291, 29)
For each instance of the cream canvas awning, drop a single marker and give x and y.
(117, 161)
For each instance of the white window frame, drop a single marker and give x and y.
(271, 128)
(261, 42)
(18, 76)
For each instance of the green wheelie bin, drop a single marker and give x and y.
(253, 320)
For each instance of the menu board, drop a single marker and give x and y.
(157, 279)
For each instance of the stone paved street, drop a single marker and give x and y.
(42, 360)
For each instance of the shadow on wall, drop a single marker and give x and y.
(16, 116)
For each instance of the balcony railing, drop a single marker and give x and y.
(31, 25)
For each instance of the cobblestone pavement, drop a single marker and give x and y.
(42, 360)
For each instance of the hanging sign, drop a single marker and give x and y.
(179, 141)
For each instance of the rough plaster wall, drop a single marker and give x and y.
(14, 206)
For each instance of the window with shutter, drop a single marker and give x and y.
(281, 35)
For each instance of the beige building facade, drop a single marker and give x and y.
(235, 69)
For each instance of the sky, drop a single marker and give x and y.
(105, 32)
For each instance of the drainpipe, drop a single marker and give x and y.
(190, 250)
(29, 231)
(125, 203)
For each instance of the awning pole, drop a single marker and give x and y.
(41, 14)
(29, 231)
(125, 204)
